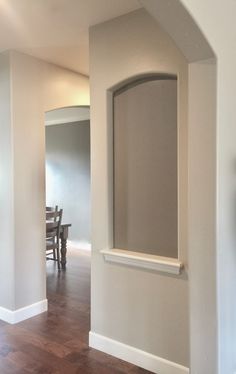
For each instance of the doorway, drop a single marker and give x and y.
(67, 135)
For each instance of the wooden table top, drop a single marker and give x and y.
(50, 224)
(66, 224)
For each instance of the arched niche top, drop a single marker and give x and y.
(67, 115)
(182, 28)
(136, 80)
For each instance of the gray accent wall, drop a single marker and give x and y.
(68, 175)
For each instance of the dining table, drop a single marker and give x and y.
(64, 232)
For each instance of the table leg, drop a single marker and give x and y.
(64, 236)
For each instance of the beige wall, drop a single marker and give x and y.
(33, 87)
(7, 295)
(202, 210)
(62, 87)
(145, 168)
(157, 319)
(220, 31)
(221, 34)
(28, 165)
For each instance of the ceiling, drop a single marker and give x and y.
(56, 30)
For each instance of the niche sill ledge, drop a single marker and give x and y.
(144, 261)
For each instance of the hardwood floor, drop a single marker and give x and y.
(56, 342)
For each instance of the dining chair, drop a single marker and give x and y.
(53, 226)
(52, 208)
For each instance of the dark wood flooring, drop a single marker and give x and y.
(56, 342)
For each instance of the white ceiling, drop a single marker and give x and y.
(56, 30)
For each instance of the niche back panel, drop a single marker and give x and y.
(146, 168)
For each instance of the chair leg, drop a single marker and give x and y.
(58, 259)
(54, 254)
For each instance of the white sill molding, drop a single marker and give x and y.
(144, 261)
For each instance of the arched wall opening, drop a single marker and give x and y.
(145, 166)
(67, 154)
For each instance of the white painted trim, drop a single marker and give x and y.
(67, 115)
(135, 356)
(144, 261)
(15, 316)
(67, 120)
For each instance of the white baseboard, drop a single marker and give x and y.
(18, 315)
(135, 356)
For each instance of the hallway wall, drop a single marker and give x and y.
(7, 294)
(157, 319)
(28, 96)
(220, 31)
(216, 20)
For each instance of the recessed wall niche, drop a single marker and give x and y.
(145, 167)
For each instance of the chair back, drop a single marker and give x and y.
(52, 208)
(53, 224)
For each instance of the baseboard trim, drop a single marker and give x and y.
(18, 315)
(135, 356)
